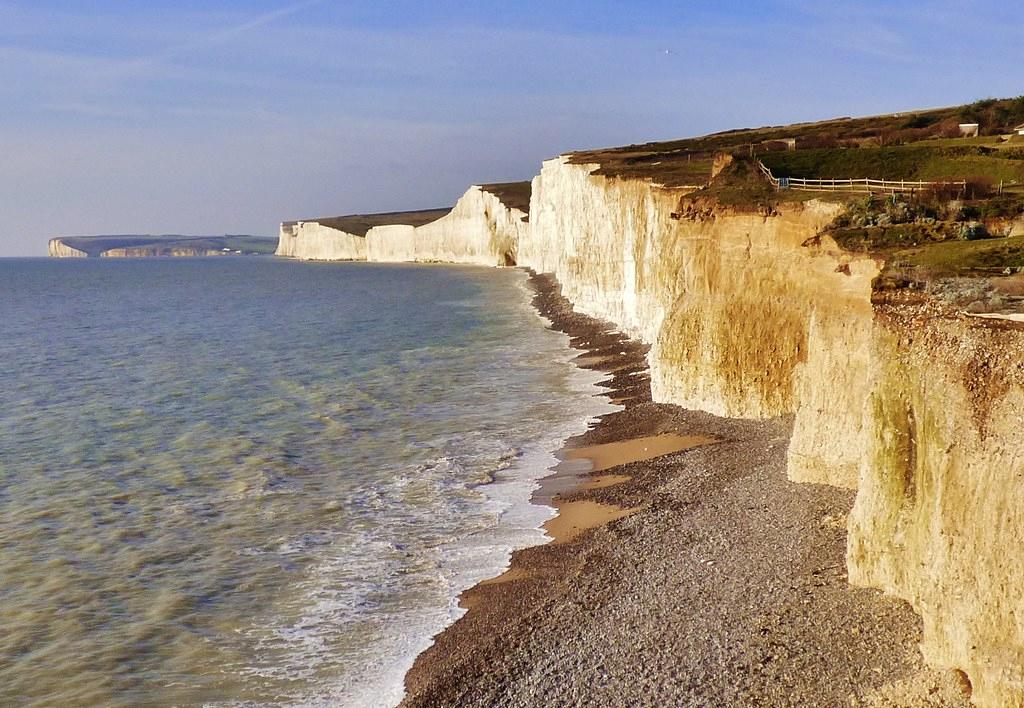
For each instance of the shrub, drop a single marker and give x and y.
(920, 121)
(968, 212)
(979, 187)
(973, 231)
(1006, 206)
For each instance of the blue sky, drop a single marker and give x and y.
(214, 117)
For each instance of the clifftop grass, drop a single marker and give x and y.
(912, 162)
(359, 224)
(957, 258)
(514, 195)
(838, 148)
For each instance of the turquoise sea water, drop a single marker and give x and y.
(254, 481)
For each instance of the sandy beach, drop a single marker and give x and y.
(695, 574)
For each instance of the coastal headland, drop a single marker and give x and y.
(806, 296)
(158, 246)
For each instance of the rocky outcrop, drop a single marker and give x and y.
(56, 248)
(394, 243)
(481, 229)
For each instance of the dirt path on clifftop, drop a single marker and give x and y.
(727, 588)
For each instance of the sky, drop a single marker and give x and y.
(228, 117)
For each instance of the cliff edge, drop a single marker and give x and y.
(483, 228)
(855, 310)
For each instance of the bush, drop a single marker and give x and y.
(993, 115)
(973, 231)
(941, 193)
(1006, 207)
(968, 212)
(979, 187)
(921, 121)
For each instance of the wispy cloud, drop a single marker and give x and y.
(142, 64)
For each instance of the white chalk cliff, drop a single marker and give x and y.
(918, 409)
(760, 315)
(56, 248)
(479, 230)
(310, 241)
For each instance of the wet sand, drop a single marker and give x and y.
(647, 447)
(576, 517)
(697, 577)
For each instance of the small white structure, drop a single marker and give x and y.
(1019, 130)
(969, 130)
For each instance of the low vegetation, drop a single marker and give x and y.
(955, 249)
(923, 145)
(359, 224)
(514, 195)
(983, 164)
(946, 233)
(740, 186)
(999, 256)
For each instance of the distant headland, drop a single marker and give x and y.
(144, 246)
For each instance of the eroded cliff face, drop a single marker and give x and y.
(938, 517)
(757, 315)
(58, 249)
(479, 230)
(310, 241)
(744, 312)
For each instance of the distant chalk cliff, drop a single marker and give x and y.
(157, 246)
(483, 228)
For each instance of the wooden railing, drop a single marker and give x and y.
(853, 185)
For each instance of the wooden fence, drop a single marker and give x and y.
(853, 185)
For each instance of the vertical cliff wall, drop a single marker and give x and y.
(481, 229)
(744, 312)
(58, 249)
(311, 241)
(940, 511)
(756, 315)
(391, 244)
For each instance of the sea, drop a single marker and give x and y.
(253, 481)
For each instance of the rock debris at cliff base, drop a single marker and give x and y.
(727, 588)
